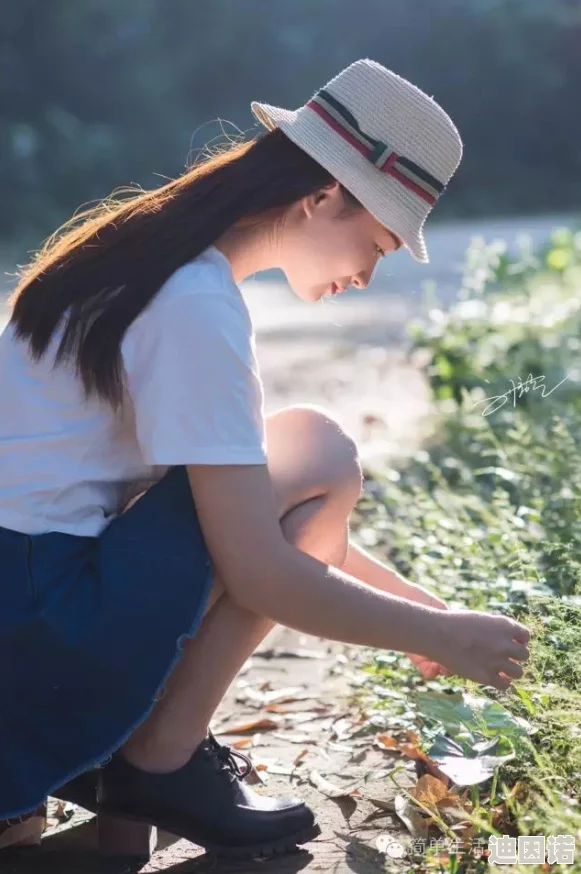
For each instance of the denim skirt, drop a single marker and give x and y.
(90, 629)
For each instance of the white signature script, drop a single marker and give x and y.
(530, 383)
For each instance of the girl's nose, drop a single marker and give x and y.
(359, 282)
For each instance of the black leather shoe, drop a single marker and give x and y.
(81, 790)
(207, 802)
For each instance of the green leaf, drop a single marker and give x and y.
(476, 714)
(467, 769)
(525, 698)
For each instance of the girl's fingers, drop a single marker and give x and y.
(512, 669)
(518, 651)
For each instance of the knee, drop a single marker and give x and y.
(336, 449)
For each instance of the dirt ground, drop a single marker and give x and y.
(290, 744)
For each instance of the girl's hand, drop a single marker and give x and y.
(428, 668)
(484, 647)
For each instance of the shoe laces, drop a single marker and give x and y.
(233, 762)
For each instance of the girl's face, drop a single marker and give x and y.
(323, 246)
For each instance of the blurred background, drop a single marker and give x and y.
(97, 94)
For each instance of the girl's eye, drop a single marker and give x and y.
(381, 252)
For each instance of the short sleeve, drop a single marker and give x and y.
(193, 378)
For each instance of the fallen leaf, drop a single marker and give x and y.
(317, 724)
(257, 777)
(308, 715)
(359, 757)
(409, 749)
(460, 766)
(476, 713)
(284, 770)
(270, 696)
(344, 728)
(300, 756)
(295, 738)
(413, 751)
(432, 793)
(292, 693)
(465, 831)
(264, 763)
(387, 804)
(331, 790)
(341, 746)
(279, 652)
(243, 742)
(264, 724)
(278, 708)
(411, 817)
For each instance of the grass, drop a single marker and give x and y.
(488, 516)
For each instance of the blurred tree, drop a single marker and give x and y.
(95, 94)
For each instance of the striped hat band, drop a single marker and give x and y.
(379, 153)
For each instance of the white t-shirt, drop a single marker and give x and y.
(193, 395)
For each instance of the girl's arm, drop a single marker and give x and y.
(267, 575)
(365, 567)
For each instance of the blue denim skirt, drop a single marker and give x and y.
(90, 629)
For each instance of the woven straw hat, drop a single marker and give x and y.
(390, 144)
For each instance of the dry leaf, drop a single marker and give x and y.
(271, 696)
(298, 716)
(344, 728)
(359, 757)
(264, 763)
(465, 831)
(341, 746)
(60, 809)
(284, 770)
(431, 792)
(331, 790)
(257, 777)
(387, 804)
(291, 693)
(411, 817)
(279, 652)
(412, 750)
(278, 708)
(264, 724)
(242, 743)
(316, 725)
(295, 738)
(300, 756)
(407, 748)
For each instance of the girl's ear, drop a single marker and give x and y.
(330, 190)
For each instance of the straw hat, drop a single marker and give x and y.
(390, 144)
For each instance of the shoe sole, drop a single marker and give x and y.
(286, 844)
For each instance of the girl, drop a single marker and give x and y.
(153, 524)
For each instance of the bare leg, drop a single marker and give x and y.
(229, 633)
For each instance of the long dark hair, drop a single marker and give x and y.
(103, 266)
